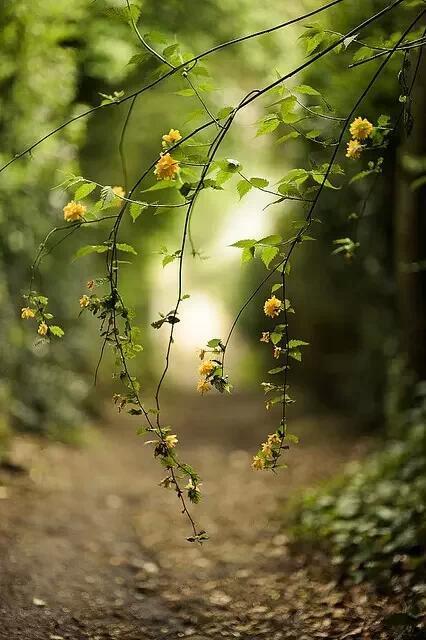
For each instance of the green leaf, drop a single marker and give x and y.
(297, 343)
(306, 89)
(136, 209)
(288, 136)
(271, 240)
(268, 254)
(242, 244)
(259, 183)
(56, 331)
(213, 343)
(127, 248)
(268, 124)
(248, 254)
(161, 184)
(90, 248)
(84, 190)
(243, 187)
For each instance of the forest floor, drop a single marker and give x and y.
(91, 547)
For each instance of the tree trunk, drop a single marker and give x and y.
(410, 234)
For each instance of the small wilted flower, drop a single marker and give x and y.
(265, 337)
(42, 329)
(166, 168)
(203, 386)
(354, 149)
(201, 354)
(258, 463)
(272, 307)
(167, 482)
(206, 368)
(27, 313)
(361, 128)
(170, 138)
(84, 301)
(277, 352)
(90, 284)
(171, 440)
(74, 211)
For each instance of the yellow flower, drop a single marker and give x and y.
(119, 191)
(171, 441)
(42, 329)
(272, 307)
(265, 336)
(361, 129)
(166, 168)
(354, 149)
(274, 439)
(171, 137)
(84, 301)
(27, 313)
(206, 368)
(203, 386)
(267, 448)
(74, 211)
(258, 463)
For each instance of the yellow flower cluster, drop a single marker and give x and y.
(42, 329)
(266, 457)
(203, 386)
(84, 301)
(171, 441)
(74, 211)
(354, 149)
(272, 307)
(170, 138)
(205, 369)
(27, 313)
(167, 167)
(360, 129)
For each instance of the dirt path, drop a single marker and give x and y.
(91, 548)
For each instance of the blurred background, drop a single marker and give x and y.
(55, 61)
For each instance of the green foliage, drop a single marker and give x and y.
(372, 520)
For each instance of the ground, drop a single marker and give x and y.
(92, 548)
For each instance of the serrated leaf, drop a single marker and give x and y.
(271, 240)
(268, 254)
(56, 331)
(259, 183)
(127, 248)
(248, 254)
(90, 248)
(136, 209)
(268, 124)
(297, 343)
(306, 89)
(161, 184)
(84, 190)
(241, 244)
(243, 187)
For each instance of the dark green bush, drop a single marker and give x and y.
(372, 519)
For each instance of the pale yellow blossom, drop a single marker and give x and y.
(27, 313)
(272, 307)
(166, 168)
(74, 211)
(361, 129)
